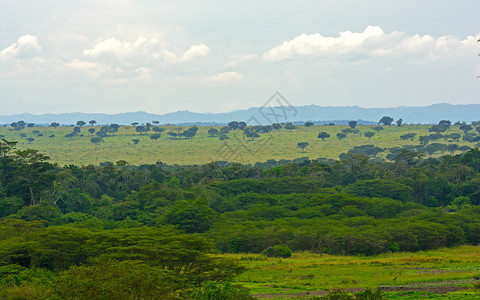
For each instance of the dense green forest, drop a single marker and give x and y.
(63, 228)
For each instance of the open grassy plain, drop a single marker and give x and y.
(428, 274)
(203, 148)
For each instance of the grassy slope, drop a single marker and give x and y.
(312, 272)
(203, 148)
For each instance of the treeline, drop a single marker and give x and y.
(76, 220)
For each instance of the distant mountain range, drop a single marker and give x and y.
(267, 115)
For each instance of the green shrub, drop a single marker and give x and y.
(278, 251)
(216, 291)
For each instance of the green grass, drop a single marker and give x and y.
(307, 272)
(204, 148)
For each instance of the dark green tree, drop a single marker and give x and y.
(302, 145)
(154, 137)
(323, 135)
(386, 120)
(96, 140)
(289, 126)
(191, 218)
(212, 132)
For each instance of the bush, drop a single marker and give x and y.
(278, 251)
(213, 291)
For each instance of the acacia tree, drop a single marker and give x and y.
(81, 123)
(92, 122)
(352, 124)
(386, 120)
(223, 137)
(154, 137)
(212, 132)
(302, 145)
(96, 140)
(323, 135)
(369, 134)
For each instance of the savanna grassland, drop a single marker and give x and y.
(240, 214)
(442, 271)
(204, 148)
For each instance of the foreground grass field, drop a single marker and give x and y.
(204, 148)
(429, 273)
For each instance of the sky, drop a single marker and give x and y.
(115, 56)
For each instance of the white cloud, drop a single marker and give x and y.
(195, 51)
(146, 49)
(239, 59)
(372, 42)
(225, 78)
(90, 68)
(26, 46)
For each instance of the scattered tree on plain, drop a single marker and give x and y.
(96, 140)
(212, 131)
(386, 120)
(323, 135)
(302, 145)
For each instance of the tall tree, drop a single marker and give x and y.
(81, 123)
(34, 173)
(385, 120)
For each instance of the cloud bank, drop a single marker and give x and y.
(373, 42)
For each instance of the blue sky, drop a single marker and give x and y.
(213, 56)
